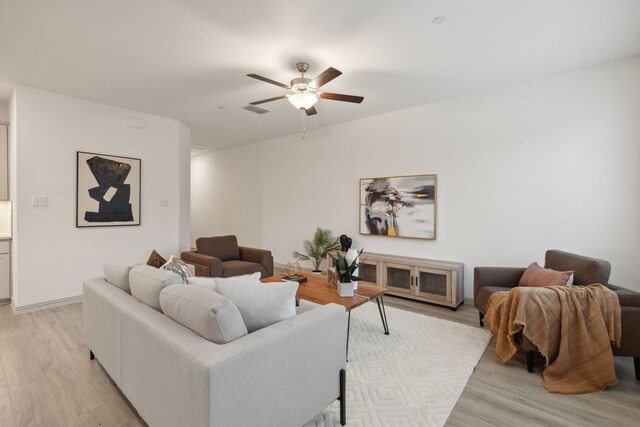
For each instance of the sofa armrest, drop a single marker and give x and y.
(504, 277)
(259, 256)
(212, 264)
(296, 360)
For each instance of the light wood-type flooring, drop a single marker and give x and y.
(47, 379)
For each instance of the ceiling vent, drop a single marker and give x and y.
(256, 109)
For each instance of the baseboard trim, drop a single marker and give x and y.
(45, 305)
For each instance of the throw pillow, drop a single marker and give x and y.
(118, 274)
(260, 304)
(178, 266)
(146, 283)
(205, 282)
(206, 313)
(253, 278)
(535, 275)
(155, 260)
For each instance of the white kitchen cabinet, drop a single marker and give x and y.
(4, 162)
(5, 271)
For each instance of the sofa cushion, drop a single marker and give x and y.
(535, 275)
(260, 304)
(156, 260)
(146, 283)
(118, 274)
(178, 266)
(627, 297)
(205, 282)
(223, 247)
(207, 313)
(481, 300)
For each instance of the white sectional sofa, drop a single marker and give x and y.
(281, 375)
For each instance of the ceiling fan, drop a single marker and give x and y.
(305, 91)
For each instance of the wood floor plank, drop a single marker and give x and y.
(48, 379)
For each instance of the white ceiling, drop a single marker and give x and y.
(188, 59)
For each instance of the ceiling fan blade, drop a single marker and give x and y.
(266, 80)
(340, 97)
(324, 78)
(311, 111)
(268, 100)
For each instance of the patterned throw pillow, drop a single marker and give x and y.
(178, 266)
(155, 260)
(537, 276)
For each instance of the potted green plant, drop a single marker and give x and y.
(345, 271)
(317, 249)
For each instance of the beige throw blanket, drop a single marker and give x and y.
(572, 326)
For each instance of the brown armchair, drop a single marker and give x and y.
(222, 257)
(488, 280)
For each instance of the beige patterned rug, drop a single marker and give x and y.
(412, 377)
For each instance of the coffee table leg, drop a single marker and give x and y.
(383, 314)
(348, 328)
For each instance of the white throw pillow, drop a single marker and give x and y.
(205, 282)
(260, 304)
(245, 278)
(178, 266)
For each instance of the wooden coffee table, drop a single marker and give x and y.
(317, 289)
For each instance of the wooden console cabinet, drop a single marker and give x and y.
(438, 282)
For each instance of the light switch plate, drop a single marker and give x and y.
(39, 201)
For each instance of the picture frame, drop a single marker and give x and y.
(399, 206)
(108, 190)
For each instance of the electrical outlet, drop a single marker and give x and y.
(39, 201)
(164, 203)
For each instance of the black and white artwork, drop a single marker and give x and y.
(399, 206)
(108, 190)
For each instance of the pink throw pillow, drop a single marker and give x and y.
(535, 275)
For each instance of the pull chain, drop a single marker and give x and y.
(304, 127)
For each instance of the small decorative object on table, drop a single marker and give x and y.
(345, 243)
(332, 277)
(345, 271)
(293, 272)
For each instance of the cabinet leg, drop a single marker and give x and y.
(91, 355)
(481, 315)
(636, 366)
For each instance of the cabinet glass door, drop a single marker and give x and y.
(432, 283)
(368, 271)
(398, 278)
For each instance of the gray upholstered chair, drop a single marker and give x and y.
(488, 280)
(222, 257)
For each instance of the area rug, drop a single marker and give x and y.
(412, 377)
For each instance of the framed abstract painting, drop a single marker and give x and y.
(399, 206)
(107, 190)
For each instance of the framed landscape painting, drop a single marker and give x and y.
(107, 190)
(399, 206)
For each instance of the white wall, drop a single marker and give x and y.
(547, 164)
(4, 112)
(51, 257)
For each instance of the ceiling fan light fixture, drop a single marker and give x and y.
(303, 100)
